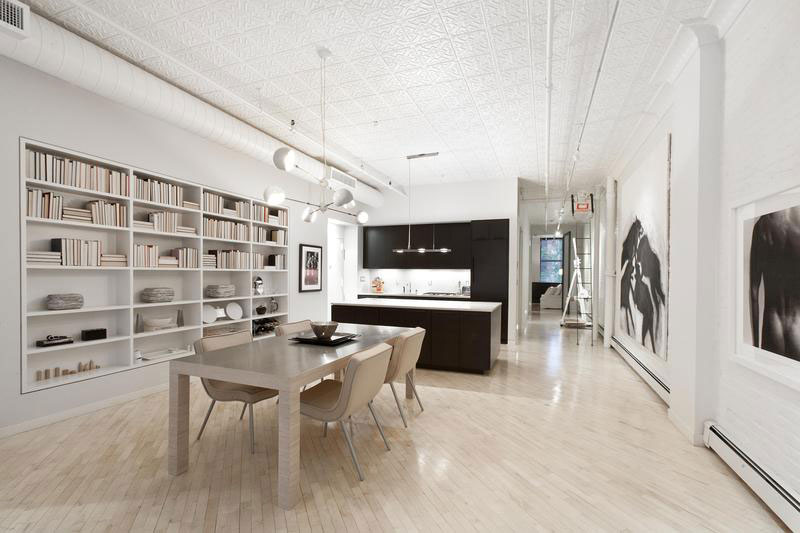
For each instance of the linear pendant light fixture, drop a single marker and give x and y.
(409, 249)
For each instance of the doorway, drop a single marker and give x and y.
(341, 259)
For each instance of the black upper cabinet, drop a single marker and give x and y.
(490, 266)
(379, 241)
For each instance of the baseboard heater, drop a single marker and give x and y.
(655, 379)
(782, 502)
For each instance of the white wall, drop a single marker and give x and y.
(460, 202)
(40, 107)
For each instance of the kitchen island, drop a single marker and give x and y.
(460, 335)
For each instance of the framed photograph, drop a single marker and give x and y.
(310, 268)
(768, 286)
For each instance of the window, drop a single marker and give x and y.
(551, 255)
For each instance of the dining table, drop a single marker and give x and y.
(278, 363)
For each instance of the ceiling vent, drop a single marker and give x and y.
(14, 17)
(338, 178)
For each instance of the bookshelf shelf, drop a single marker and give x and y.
(164, 331)
(78, 344)
(49, 185)
(260, 337)
(49, 312)
(124, 283)
(70, 223)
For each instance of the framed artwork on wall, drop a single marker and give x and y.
(768, 286)
(643, 255)
(310, 268)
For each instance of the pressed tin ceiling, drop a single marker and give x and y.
(466, 79)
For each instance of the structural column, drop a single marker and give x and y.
(611, 261)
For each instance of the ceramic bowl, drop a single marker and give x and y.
(324, 330)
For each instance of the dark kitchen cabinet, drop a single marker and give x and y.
(354, 315)
(445, 333)
(380, 241)
(458, 237)
(409, 318)
(474, 343)
(490, 266)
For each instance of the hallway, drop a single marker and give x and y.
(557, 437)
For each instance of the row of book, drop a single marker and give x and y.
(147, 256)
(77, 252)
(225, 229)
(269, 261)
(263, 213)
(66, 171)
(61, 258)
(107, 213)
(267, 235)
(165, 221)
(214, 203)
(231, 258)
(43, 204)
(152, 190)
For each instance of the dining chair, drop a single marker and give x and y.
(406, 349)
(335, 401)
(225, 391)
(292, 327)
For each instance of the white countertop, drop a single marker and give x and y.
(414, 295)
(438, 305)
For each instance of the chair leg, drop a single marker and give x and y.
(352, 450)
(377, 423)
(324, 429)
(205, 420)
(244, 408)
(252, 432)
(399, 407)
(414, 389)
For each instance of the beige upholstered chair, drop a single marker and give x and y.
(224, 391)
(334, 401)
(405, 354)
(292, 327)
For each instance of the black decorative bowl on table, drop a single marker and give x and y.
(324, 330)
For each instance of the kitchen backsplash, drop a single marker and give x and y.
(419, 280)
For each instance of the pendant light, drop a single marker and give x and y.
(408, 249)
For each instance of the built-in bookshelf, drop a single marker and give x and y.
(107, 231)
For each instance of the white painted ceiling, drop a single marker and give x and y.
(464, 78)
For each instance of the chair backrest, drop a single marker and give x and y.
(363, 379)
(292, 327)
(406, 349)
(218, 342)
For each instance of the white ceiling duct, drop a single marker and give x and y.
(62, 54)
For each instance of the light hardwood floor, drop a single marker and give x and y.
(557, 437)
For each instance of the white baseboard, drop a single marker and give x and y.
(77, 411)
(658, 387)
(775, 495)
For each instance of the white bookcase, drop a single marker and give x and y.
(112, 293)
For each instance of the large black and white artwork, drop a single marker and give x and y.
(642, 252)
(772, 282)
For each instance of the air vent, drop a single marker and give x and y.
(14, 17)
(340, 178)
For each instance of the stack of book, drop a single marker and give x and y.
(108, 213)
(77, 214)
(113, 260)
(44, 258)
(164, 221)
(65, 171)
(152, 190)
(167, 261)
(191, 205)
(235, 259)
(266, 235)
(143, 224)
(225, 229)
(209, 261)
(77, 252)
(263, 213)
(44, 204)
(186, 257)
(145, 255)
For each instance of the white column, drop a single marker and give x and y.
(611, 260)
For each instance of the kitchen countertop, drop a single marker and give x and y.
(414, 295)
(438, 305)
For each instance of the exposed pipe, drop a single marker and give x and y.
(548, 82)
(64, 55)
(610, 261)
(591, 100)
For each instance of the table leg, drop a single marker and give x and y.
(289, 448)
(409, 392)
(178, 454)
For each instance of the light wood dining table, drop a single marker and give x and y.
(277, 363)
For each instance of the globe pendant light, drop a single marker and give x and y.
(408, 249)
